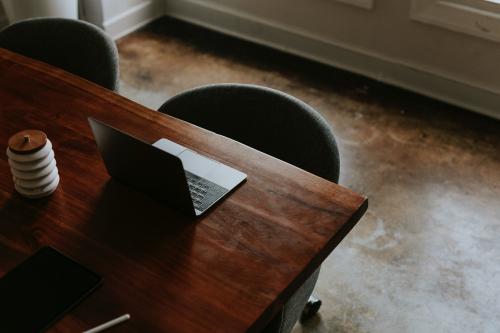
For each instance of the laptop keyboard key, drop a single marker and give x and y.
(203, 192)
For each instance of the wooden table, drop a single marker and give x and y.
(229, 271)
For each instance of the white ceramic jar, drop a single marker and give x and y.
(32, 163)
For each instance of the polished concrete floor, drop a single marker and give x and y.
(426, 256)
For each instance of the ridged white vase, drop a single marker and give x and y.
(34, 170)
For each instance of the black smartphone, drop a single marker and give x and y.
(41, 289)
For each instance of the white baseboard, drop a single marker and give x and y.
(134, 18)
(366, 4)
(372, 65)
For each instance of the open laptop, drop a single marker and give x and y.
(165, 170)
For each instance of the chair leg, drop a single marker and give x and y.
(311, 308)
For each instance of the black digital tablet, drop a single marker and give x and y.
(41, 289)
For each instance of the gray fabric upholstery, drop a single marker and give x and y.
(273, 122)
(265, 119)
(75, 46)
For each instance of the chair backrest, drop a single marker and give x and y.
(265, 119)
(75, 46)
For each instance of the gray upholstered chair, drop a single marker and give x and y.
(273, 122)
(75, 46)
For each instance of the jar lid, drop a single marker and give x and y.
(27, 141)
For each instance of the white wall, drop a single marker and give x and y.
(376, 38)
(382, 42)
(3, 17)
(120, 17)
(112, 8)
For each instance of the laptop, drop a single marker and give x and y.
(165, 170)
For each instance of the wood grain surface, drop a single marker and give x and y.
(229, 271)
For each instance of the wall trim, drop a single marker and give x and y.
(366, 4)
(134, 18)
(466, 16)
(91, 11)
(427, 83)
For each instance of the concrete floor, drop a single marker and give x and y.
(426, 256)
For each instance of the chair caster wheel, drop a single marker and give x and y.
(311, 308)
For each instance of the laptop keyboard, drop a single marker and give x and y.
(203, 192)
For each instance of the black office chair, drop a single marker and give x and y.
(75, 46)
(277, 124)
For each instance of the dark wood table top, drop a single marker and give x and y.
(229, 271)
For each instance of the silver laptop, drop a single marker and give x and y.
(165, 170)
